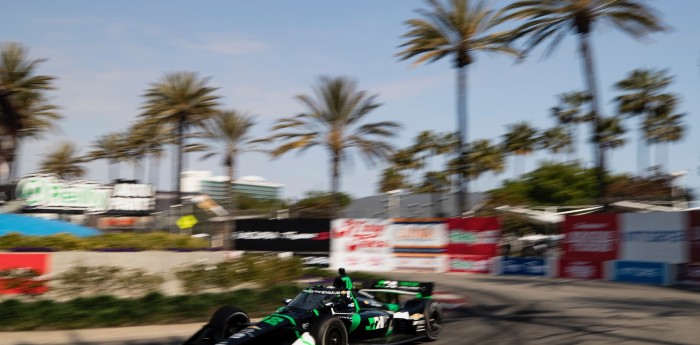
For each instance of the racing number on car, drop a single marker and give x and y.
(376, 322)
(273, 320)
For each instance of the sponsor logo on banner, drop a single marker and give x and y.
(591, 237)
(426, 263)
(655, 237)
(470, 263)
(523, 266)
(640, 272)
(694, 236)
(581, 269)
(23, 262)
(282, 235)
(361, 244)
(474, 236)
(361, 234)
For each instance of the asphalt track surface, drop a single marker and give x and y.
(482, 309)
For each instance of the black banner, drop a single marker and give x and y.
(283, 235)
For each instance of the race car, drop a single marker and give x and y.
(387, 312)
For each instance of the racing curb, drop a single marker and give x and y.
(136, 335)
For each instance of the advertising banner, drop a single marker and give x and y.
(437, 263)
(524, 266)
(689, 274)
(580, 269)
(654, 236)
(48, 193)
(641, 272)
(361, 244)
(20, 262)
(591, 237)
(470, 263)
(282, 235)
(474, 236)
(314, 260)
(424, 237)
(419, 244)
(694, 236)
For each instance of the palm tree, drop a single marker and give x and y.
(643, 91)
(569, 114)
(460, 31)
(64, 162)
(554, 19)
(484, 157)
(232, 129)
(556, 140)
(610, 133)
(333, 121)
(392, 179)
(179, 101)
(24, 110)
(664, 127)
(111, 147)
(520, 140)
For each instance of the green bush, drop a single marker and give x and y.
(256, 268)
(138, 241)
(153, 308)
(98, 280)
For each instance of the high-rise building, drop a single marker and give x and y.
(253, 186)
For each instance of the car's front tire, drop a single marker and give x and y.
(329, 330)
(223, 323)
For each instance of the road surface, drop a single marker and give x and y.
(486, 309)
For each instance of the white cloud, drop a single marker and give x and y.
(231, 44)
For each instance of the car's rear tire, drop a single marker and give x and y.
(433, 319)
(329, 330)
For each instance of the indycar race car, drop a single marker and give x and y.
(387, 312)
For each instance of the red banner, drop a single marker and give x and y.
(470, 263)
(474, 236)
(580, 269)
(591, 237)
(22, 264)
(694, 236)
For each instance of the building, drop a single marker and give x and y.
(217, 186)
(400, 204)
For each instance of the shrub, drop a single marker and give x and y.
(106, 242)
(102, 280)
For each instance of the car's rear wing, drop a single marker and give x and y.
(400, 286)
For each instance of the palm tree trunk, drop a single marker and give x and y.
(154, 171)
(642, 151)
(335, 182)
(180, 145)
(12, 159)
(462, 140)
(599, 152)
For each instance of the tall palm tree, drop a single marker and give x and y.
(24, 110)
(392, 179)
(111, 147)
(556, 140)
(333, 120)
(555, 19)
(569, 114)
(64, 162)
(664, 126)
(520, 140)
(458, 30)
(179, 101)
(484, 157)
(231, 129)
(611, 133)
(643, 91)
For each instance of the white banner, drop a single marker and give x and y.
(361, 245)
(654, 236)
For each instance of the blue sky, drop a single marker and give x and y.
(263, 53)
